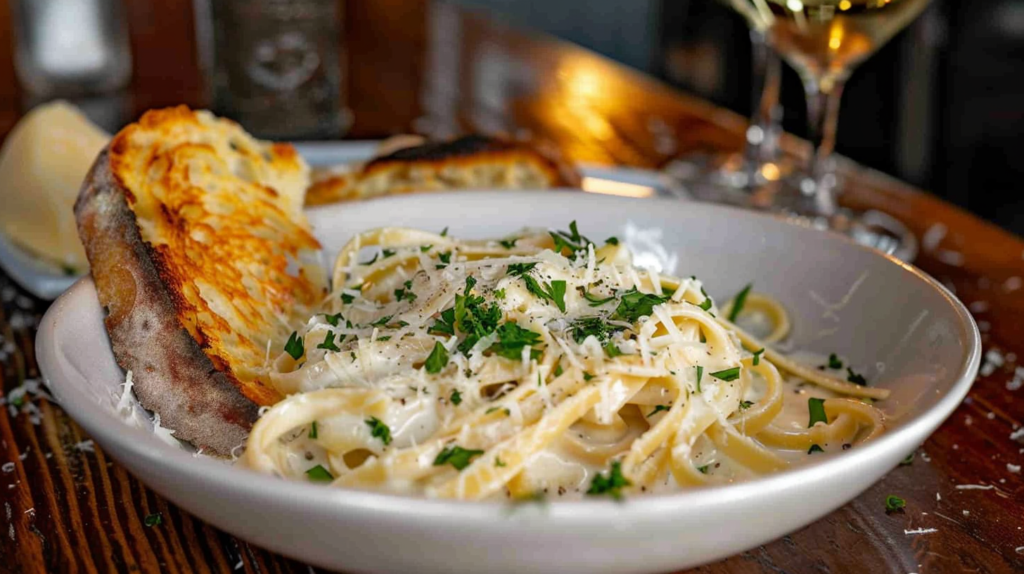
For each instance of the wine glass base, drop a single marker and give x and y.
(730, 179)
(871, 228)
(727, 179)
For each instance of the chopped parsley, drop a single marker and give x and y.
(384, 338)
(387, 253)
(444, 232)
(329, 343)
(894, 503)
(700, 375)
(347, 298)
(587, 326)
(834, 362)
(744, 405)
(757, 356)
(571, 240)
(445, 258)
(332, 320)
(816, 408)
(379, 430)
(558, 294)
(508, 243)
(558, 369)
(425, 248)
(727, 374)
(382, 321)
(658, 409)
(294, 346)
(612, 484)
(155, 519)
(815, 448)
(706, 304)
(855, 378)
(587, 376)
(473, 317)
(516, 269)
(612, 351)
(512, 339)
(738, 302)
(634, 304)
(612, 241)
(445, 325)
(503, 410)
(909, 460)
(319, 474)
(313, 431)
(554, 291)
(498, 463)
(456, 397)
(438, 359)
(405, 293)
(499, 293)
(703, 469)
(594, 300)
(372, 261)
(456, 456)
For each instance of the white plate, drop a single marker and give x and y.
(47, 281)
(843, 298)
(38, 277)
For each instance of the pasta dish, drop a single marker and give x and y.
(542, 364)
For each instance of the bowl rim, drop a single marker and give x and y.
(98, 423)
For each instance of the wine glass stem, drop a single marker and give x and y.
(822, 120)
(762, 137)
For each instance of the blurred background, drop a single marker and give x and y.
(940, 106)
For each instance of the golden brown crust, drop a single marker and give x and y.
(199, 249)
(468, 162)
(172, 374)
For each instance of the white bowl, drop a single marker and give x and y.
(844, 298)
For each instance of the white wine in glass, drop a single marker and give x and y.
(824, 40)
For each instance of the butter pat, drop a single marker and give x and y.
(42, 165)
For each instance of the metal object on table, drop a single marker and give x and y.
(71, 48)
(274, 65)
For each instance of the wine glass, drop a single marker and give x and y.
(734, 178)
(825, 40)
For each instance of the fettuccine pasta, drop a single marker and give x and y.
(541, 364)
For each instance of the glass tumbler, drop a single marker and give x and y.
(70, 48)
(274, 66)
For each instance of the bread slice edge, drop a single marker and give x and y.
(172, 374)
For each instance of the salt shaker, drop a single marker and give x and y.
(71, 48)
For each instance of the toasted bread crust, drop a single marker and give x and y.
(472, 161)
(173, 376)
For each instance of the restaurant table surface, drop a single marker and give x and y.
(441, 70)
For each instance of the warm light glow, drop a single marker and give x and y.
(598, 127)
(610, 187)
(835, 37)
(795, 5)
(770, 172)
(845, 5)
(582, 81)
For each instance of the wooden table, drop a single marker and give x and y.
(413, 65)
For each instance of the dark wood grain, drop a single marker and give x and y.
(417, 66)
